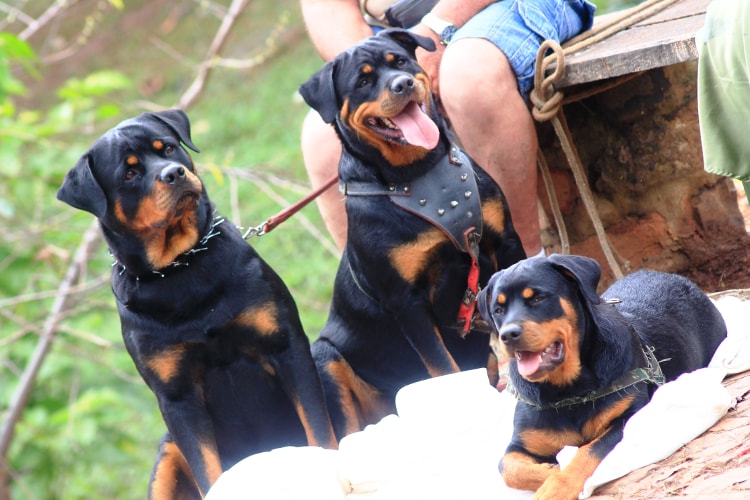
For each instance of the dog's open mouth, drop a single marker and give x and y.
(411, 126)
(532, 364)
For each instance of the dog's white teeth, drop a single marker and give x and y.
(388, 123)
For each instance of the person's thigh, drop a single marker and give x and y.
(518, 28)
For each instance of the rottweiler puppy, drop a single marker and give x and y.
(582, 365)
(426, 226)
(212, 329)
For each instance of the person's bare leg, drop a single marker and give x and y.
(321, 150)
(480, 94)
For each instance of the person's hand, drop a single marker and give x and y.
(430, 61)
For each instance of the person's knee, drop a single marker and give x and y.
(320, 145)
(314, 129)
(473, 70)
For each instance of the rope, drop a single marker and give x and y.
(562, 231)
(628, 18)
(547, 106)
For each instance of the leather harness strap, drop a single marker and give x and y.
(447, 196)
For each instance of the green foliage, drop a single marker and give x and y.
(12, 50)
(78, 426)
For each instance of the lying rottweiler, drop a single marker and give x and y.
(426, 225)
(212, 329)
(581, 365)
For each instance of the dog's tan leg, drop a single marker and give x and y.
(522, 472)
(568, 483)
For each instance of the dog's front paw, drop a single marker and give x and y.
(560, 486)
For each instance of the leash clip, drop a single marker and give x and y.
(469, 297)
(258, 231)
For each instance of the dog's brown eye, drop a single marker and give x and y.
(168, 149)
(363, 82)
(499, 310)
(401, 62)
(536, 299)
(130, 174)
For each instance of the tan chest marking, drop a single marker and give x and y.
(410, 259)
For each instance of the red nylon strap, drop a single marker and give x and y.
(469, 303)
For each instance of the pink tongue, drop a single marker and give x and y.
(417, 127)
(528, 363)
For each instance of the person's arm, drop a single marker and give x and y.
(456, 12)
(334, 25)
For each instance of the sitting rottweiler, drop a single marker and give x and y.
(426, 226)
(211, 328)
(582, 365)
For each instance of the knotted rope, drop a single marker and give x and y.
(547, 106)
(546, 101)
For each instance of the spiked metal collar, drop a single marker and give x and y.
(183, 259)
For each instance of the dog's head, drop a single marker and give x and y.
(378, 98)
(141, 184)
(534, 307)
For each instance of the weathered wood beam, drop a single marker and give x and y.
(662, 40)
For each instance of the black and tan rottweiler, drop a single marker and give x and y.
(581, 365)
(211, 328)
(426, 225)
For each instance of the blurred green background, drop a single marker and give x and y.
(91, 427)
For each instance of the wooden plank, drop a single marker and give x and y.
(664, 39)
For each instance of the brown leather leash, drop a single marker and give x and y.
(275, 220)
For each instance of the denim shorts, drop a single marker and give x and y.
(518, 28)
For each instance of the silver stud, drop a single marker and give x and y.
(441, 211)
(391, 187)
(464, 177)
(423, 202)
(454, 204)
(467, 194)
(406, 189)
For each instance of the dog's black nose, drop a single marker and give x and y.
(510, 333)
(172, 174)
(402, 84)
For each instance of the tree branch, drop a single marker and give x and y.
(88, 245)
(204, 71)
(45, 18)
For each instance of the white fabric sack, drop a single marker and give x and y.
(291, 473)
(679, 412)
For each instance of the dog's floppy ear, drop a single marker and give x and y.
(177, 120)
(408, 40)
(81, 190)
(584, 270)
(319, 92)
(485, 298)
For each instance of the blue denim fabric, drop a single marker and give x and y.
(518, 28)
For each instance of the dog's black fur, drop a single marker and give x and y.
(565, 342)
(401, 280)
(211, 328)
